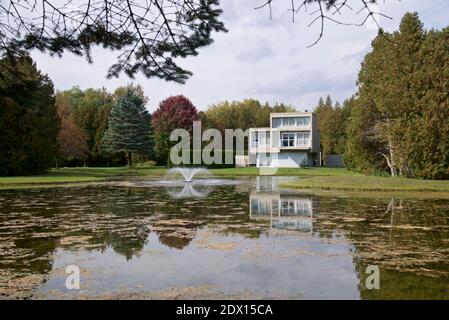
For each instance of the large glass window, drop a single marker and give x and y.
(288, 139)
(260, 138)
(302, 121)
(291, 122)
(277, 122)
(255, 139)
(264, 138)
(302, 139)
(299, 139)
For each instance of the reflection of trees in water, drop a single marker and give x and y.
(407, 239)
(409, 235)
(97, 218)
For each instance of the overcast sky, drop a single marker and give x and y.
(259, 58)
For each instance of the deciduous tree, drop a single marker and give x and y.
(72, 140)
(176, 112)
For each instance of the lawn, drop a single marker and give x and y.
(252, 171)
(66, 176)
(309, 178)
(77, 175)
(367, 183)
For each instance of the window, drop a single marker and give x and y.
(255, 139)
(302, 121)
(260, 138)
(288, 139)
(302, 139)
(291, 122)
(298, 139)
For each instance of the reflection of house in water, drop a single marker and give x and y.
(287, 211)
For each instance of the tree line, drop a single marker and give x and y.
(396, 123)
(41, 128)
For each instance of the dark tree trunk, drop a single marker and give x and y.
(129, 158)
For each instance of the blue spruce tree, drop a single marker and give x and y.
(129, 127)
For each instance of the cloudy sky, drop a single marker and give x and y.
(260, 58)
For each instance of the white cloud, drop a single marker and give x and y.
(258, 58)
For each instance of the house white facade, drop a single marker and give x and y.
(292, 140)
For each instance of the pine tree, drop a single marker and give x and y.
(129, 127)
(28, 119)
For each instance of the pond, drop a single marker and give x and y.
(247, 239)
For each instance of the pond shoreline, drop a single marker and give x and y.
(316, 179)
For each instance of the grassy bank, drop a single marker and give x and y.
(84, 175)
(310, 178)
(76, 176)
(252, 171)
(367, 183)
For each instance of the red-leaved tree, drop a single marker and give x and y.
(176, 112)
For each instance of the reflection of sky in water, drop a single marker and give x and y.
(243, 240)
(268, 274)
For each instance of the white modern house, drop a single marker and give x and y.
(292, 140)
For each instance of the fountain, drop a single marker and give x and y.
(187, 173)
(184, 182)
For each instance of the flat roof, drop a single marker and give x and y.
(298, 113)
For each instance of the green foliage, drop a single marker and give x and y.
(332, 120)
(147, 36)
(399, 117)
(129, 127)
(245, 114)
(28, 118)
(71, 138)
(90, 110)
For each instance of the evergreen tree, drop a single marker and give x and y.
(129, 127)
(399, 118)
(28, 119)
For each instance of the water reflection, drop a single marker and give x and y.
(283, 211)
(237, 238)
(189, 191)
